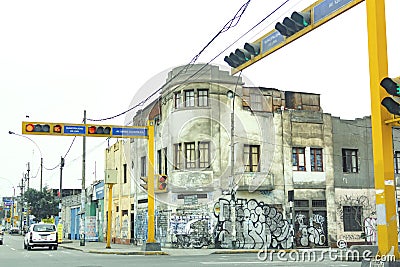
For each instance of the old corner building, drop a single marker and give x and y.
(246, 167)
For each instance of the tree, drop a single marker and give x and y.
(41, 204)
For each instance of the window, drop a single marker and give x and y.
(316, 160)
(202, 97)
(177, 156)
(190, 155)
(177, 100)
(165, 165)
(350, 162)
(204, 154)
(255, 101)
(298, 159)
(159, 162)
(251, 158)
(397, 162)
(125, 174)
(143, 170)
(189, 98)
(352, 218)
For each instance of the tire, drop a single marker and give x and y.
(55, 247)
(24, 245)
(50, 247)
(1, 242)
(29, 247)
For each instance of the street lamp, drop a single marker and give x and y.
(41, 158)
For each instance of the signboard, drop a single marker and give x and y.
(272, 40)
(327, 7)
(99, 191)
(60, 232)
(190, 200)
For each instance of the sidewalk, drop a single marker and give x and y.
(120, 249)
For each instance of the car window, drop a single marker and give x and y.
(44, 228)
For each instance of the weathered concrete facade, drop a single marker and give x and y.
(233, 163)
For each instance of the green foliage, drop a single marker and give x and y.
(41, 204)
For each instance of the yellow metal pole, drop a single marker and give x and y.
(381, 133)
(150, 183)
(109, 217)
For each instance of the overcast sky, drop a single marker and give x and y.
(59, 58)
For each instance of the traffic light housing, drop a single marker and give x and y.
(144, 185)
(392, 87)
(297, 22)
(241, 56)
(162, 183)
(99, 130)
(36, 128)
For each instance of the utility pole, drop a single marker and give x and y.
(41, 174)
(60, 190)
(22, 204)
(28, 170)
(83, 194)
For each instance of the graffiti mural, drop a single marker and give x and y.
(257, 225)
(367, 219)
(370, 230)
(192, 230)
(141, 227)
(311, 232)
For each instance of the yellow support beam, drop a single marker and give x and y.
(150, 183)
(109, 218)
(272, 38)
(381, 132)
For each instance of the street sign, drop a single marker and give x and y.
(93, 130)
(135, 132)
(327, 7)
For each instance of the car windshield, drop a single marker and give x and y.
(44, 228)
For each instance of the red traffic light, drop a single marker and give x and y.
(57, 128)
(38, 128)
(162, 182)
(99, 130)
(30, 127)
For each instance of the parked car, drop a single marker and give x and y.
(1, 236)
(41, 235)
(13, 230)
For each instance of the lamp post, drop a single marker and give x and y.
(41, 158)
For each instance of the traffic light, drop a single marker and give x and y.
(57, 128)
(393, 88)
(145, 185)
(296, 22)
(162, 183)
(243, 55)
(37, 128)
(99, 130)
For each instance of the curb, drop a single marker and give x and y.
(239, 251)
(129, 252)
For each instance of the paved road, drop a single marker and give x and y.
(13, 254)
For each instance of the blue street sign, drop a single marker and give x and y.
(327, 7)
(74, 129)
(271, 41)
(129, 132)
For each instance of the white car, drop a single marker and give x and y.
(41, 235)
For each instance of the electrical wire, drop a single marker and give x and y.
(230, 24)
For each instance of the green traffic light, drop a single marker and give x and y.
(391, 86)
